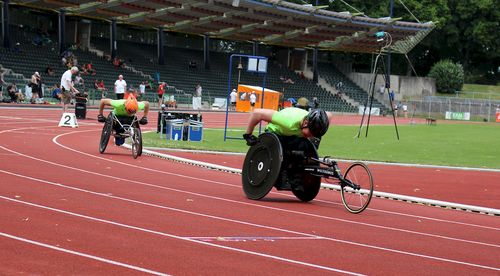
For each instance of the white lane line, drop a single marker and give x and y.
(80, 254)
(247, 223)
(233, 201)
(178, 237)
(244, 203)
(251, 238)
(220, 183)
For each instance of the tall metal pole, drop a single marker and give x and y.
(112, 38)
(161, 50)
(62, 30)
(206, 51)
(388, 73)
(255, 48)
(315, 64)
(5, 24)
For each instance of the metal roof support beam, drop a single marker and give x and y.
(191, 23)
(93, 6)
(60, 3)
(289, 34)
(245, 28)
(135, 17)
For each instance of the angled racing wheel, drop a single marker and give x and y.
(304, 185)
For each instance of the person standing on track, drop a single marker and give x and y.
(232, 97)
(253, 99)
(120, 87)
(67, 88)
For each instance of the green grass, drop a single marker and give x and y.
(470, 145)
(481, 88)
(477, 91)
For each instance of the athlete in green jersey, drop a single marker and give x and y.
(289, 122)
(124, 110)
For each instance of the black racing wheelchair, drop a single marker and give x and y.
(292, 164)
(122, 127)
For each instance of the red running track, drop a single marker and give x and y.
(66, 209)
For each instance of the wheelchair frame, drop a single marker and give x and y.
(131, 130)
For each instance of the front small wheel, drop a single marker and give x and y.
(356, 200)
(136, 142)
(106, 133)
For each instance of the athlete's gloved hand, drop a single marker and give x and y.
(251, 139)
(143, 120)
(101, 118)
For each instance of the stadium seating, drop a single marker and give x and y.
(177, 73)
(141, 65)
(333, 76)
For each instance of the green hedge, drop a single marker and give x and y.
(449, 76)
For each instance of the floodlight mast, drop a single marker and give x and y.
(381, 37)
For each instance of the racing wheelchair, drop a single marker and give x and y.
(292, 164)
(122, 127)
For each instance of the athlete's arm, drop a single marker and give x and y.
(257, 116)
(330, 116)
(146, 108)
(107, 102)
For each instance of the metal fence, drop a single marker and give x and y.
(436, 107)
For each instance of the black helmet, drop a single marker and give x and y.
(317, 122)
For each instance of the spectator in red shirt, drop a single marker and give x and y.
(100, 86)
(161, 91)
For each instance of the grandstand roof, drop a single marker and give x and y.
(271, 22)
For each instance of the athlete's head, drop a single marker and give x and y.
(131, 104)
(316, 122)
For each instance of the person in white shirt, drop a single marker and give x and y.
(243, 96)
(67, 88)
(405, 110)
(197, 97)
(120, 87)
(253, 99)
(142, 89)
(232, 98)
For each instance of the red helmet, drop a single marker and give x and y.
(131, 105)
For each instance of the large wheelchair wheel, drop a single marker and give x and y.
(106, 133)
(262, 166)
(356, 200)
(136, 142)
(304, 186)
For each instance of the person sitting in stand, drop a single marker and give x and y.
(14, 94)
(192, 65)
(172, 103)
(303, 103)
(56, 93)
(124, 110)
(49, 70)
(102, 88)
(89, 68)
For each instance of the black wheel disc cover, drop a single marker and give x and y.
(262, 166)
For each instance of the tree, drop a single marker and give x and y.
(449, 76)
